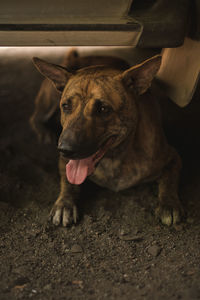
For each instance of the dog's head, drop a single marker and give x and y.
(98, 110)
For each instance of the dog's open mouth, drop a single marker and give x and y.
(77, 170)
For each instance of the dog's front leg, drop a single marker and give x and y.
(64, 210)
(170, 209)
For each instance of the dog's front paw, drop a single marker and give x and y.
(63, 213)
(169, 214)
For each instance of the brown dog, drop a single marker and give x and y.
(111, 132)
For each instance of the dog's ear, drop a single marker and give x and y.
(139, 77)
(57, 74)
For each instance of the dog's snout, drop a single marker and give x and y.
(75, 146)
(61, 146)
(66, 149)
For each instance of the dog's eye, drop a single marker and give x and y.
(102, 108)
(67, 107)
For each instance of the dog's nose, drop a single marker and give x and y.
(66, 149)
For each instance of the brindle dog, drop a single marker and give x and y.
(111, 132)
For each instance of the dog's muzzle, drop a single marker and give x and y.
(76, 150)
(66, 149)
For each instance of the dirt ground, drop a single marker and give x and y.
(118, 250)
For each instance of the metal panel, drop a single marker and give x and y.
(69, 38)
(161, 23)
(66, 8)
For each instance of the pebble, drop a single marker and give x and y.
(130, 237)
(178, 227)
(154, 250)
(47, 287)
(44, 236)
(191, 272)
(122, 232)
(78, 282)
(33, 233)
(76, 248)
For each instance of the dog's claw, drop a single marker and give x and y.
(66, 217)
(57, 217)
(63, 214)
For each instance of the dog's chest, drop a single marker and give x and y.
(118, 175)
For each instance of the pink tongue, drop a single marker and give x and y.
(78, 170)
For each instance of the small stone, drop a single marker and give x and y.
(191, 272)
(76, 248)
(154, 250)
(32, 233)
(47, 287)
(122, 232)
(126, 277)
(130, 237)
(178, 227)
(79, 283)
